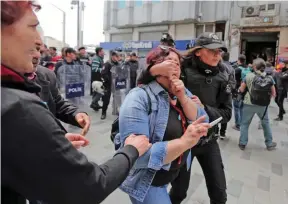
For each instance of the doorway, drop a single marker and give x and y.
(262, 45)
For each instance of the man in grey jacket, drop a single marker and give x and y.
(64, 110)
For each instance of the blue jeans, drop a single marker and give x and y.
(155, 195)
(248, 113)
(238, 105)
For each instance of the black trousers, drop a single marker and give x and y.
(106, 100)
(281, 95)
(209, 157)
(223, 128)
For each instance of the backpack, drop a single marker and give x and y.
(260, 93)
(115, 124)
(244, 72)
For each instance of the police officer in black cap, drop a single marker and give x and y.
(206, 77)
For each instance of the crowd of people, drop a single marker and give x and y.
(163, 113)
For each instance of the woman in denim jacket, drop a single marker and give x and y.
(163, 111)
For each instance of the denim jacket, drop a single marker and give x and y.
(134, 119)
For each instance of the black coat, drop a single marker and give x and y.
(39, 163)
(60, 107)
(211, 89)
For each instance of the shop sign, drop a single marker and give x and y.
(259, 21)
(137, 45)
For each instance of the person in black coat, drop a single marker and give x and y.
(38, 161)
(207, 78)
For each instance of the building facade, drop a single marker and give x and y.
(52, 42)
(138, 25)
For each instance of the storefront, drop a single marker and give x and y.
(140, 47)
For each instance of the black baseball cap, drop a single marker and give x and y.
(210, 41)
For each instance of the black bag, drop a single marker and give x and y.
(261, 90)
(115, 124)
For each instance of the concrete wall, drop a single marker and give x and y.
(165, 12)
(283, 43)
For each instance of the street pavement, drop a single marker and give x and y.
(254, 176)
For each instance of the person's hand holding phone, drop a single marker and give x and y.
(195, 131)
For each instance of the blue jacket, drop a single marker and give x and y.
(134, 119)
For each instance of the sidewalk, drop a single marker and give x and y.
(254, 176)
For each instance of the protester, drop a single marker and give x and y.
(240, 74)
(281, 79)
(167, 127)
(83, 56)
(269, 69)
(38, 161)
(97, 66)
(206, 77)
(54, 57)
(61, 108)
(256, 101)
(230, 70)
(46, 59)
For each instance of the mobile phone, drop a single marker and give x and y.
(215, 122)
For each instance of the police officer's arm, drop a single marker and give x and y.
(48, 167)
(65, 110)
(224, 110)
(145, 77)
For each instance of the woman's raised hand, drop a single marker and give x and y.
(195, 131)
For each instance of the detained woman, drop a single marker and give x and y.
(163, 111)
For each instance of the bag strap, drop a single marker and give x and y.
(264, 112)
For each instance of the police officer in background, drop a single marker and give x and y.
(167, 40)
(107, 80)
(206, 77)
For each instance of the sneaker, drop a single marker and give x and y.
(235, 127)
(272, 146)
(222, 136)
(242, 147)
(278, 119)
(103, 116)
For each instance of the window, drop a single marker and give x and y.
(138, 3)
(262, 7)
(271, 6)
(199, 30)
(209, 28)
(156, 1)
(204, 28)
(121, 4)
